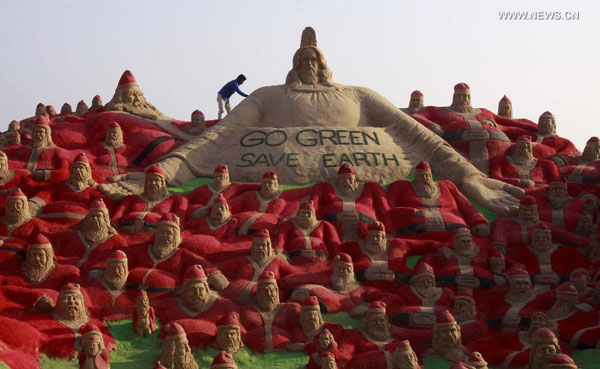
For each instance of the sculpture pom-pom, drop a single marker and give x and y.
(309, 37)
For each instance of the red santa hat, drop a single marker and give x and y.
(517, 271)
(39, 241)
(99, 205)
(231, 320)
(169, 219)
(311, 303)
(16, 193)
(269, 174)
(423, 269)
(96, 98)
(541, 227)
(445, 318)
(558, 183)
(593, 139)
(308, 205)
(376, 307)
(376, 226)
(220, 200)
(194, 273)
(118, 256)
(223, 360)
(142, 293)
(461, 86)
(524, 138)
(94, 338)
(113, 125)
(261, 234)
(221, 169)
(547, 114)
(89, 329)
(70, 288)
(127, 78)
(197, 112)
(343, 258)
(82, 158)
(404, 346)
(267, 277)
(423, 166)
(465, 294)
(155, 169)
(50, 109)
(81, 102)
(174, 330)
(476, 360)
(560, 361)
(42, 121)
(346, 168)
(505, 99)
(462, 232)
(577, 274)
(544, 335)
(528, 200)
(159, 366)
(567, 288)
(14, 124)
(416, 93)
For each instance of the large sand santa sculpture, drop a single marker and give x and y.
(308, 126)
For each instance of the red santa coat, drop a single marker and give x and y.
(546, 146)
(449, 208)
(332, 301)
(222, 233)
(285, 204)
(158, 275)
(359, 350)
(200, 327)
(322, 238)
(539, 171)
(565, 217)
(559, 260)
(369, 204)
(494, 307)
(583, 174)
(115, 305)
(477, 265)
(510, 233)
(52, 160)
(472, 330)
(134, 207)
(23, 231)
(243, 273)
(204, 196)
(110, 161)
(271, 330)
(65, 193)
(71, 247)
(570, 325)
(513, 351)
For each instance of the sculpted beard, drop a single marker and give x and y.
(71, 311)
(36, 270)
(16, 216)
(116, 280)
(95, 229)
(308, 75)
(341, 280)
(231, 343)
(380, 331)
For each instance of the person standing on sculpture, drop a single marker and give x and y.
(226, 91)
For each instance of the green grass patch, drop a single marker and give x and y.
(3, 366)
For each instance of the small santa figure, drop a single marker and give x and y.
(144, 319)
(447, 340)
(176, 352)
(94, 354)
(404, 357)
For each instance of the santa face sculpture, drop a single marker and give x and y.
(219, 214)
(424, 184)
(16, 210)
(416, 103)
(155, 186)
(505, 109)
(591, 151)
(38, 262)
(82, 108)
(540, 353)
(347, 184)
(93, 347)
(261, 249)
(96, 102)
(116, 274)
(528, 213)
(343, 276)
(40, 109)
(558, 195)
(269, 187)
(546, 124)
(523, 152)
(405, 359)
(70, 307)
(538, 320)
(520, 289)
(195, 294)
(447, 341)
(464, 309)
(376, 242)
(565, 301)
(96, 225)
(3, 165)
(463, 244)
(81, 174)
(311, 320)
(198, 120)
(220, 179)
(378, 326)
(305, 218)
(114, 136)
(461, 100)
(142, 305)
(325, 339)
(176, 353)
(424, 284)
(166, 239)
(229, 339)
(541, 241)
(267, 296)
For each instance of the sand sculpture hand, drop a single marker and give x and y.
(123, 185)
(493, 194)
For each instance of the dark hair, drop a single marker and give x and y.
(240, 78)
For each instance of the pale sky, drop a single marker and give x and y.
(182, 52)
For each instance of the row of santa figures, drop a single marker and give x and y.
(170, 266)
